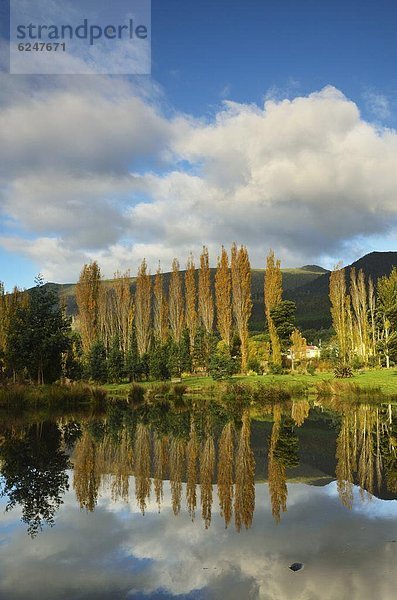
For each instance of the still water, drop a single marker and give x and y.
(200, 500)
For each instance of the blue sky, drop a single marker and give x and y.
(155, 167)
(203, 51)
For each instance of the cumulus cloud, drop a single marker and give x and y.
(104, 173)
(117, 553)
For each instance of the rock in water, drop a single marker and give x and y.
(296, 566)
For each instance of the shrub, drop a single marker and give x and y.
(254, 365)
(343, 371)
(311, 369)
(275, 369)
(221, 366)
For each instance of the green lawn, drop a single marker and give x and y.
(386, 380)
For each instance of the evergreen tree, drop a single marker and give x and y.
(115, 362)
(73, 363)
(283, 317)
(38, 335)
(159, 362)
(179, 357)
(97, 362)
(133, 361)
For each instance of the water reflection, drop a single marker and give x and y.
(193, 446)
(34, 473)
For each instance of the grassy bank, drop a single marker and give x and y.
(371, 381)
(69, 396)
(371, 385)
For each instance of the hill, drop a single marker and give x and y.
(312, 301)
(307, 286)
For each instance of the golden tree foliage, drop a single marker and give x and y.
(242, 304)
(225, 472)
(273, 290)
(358, 292)
(190, 295)
(340, 312)
(160, 309)
(346, 460)
(207, 467)
(244, 504)
(192, 449)
(177, 463)
(205, 300)
(142, 466)
(223, 287)
(143, 297)
(175, 303)
(123, 308)
(87, 298)
(276, 470)
(160, 465)
(122, 459)
(300, 411)
(106, 315)
(86, 476)
(372, 314)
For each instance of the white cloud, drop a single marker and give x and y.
(116, 550)
(104, 174)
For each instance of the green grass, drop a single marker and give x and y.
(385, 380)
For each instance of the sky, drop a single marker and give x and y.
(267, 123)
(116, 552)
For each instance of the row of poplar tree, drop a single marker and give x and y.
(186, 321)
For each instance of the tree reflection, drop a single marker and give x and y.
(199, 444)
(34, 474)
(244, 503)
(225, 472)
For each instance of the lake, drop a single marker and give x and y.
(200, 499)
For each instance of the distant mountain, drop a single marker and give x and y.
(312, 300)
(307, 286)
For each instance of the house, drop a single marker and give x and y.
(312, 352)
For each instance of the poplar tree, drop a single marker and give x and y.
(87, 298)
(190, 295)
(340, 309)
(106, 316)
(242, 304)
(160, 310)
(223, 286)
(372, 314)
(273, 296)
(123, 308)
(143, 309)
(358, 292)
(175, 303)
(206, 303)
